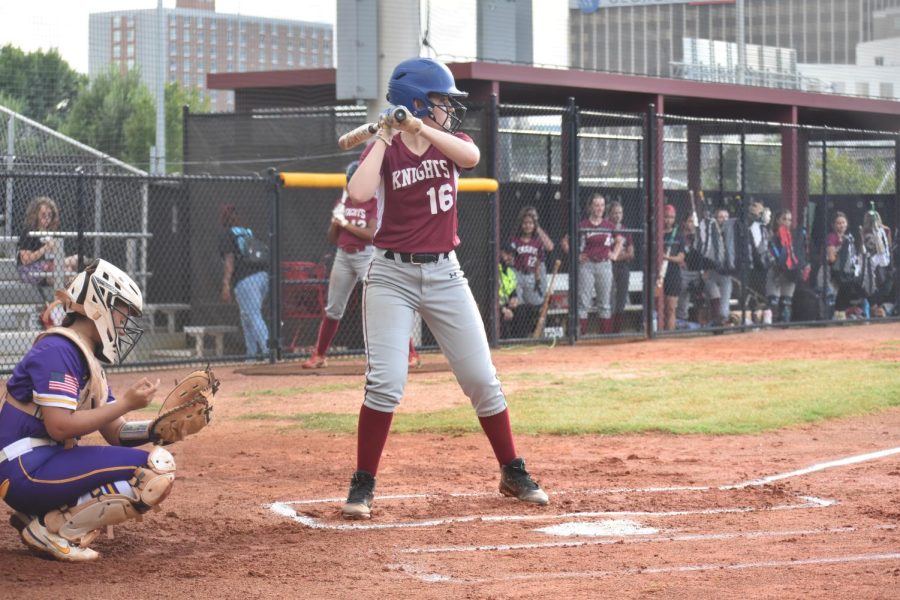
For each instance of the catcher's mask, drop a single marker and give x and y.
(104, 294)
(416, 78)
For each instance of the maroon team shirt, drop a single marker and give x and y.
(595, 244)
(359, 215)
(530, 254)
(417, 199)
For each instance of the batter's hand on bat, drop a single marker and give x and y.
(400, 119)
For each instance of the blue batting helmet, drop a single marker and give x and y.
(351, 169)
(416, 78)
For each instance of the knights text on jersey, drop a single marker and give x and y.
(417, 200)
(359, 215)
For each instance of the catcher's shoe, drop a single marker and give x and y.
(414, 361)
(359, 500)
(315, 362)
(19, 520)
(36, 537)
(516, 482)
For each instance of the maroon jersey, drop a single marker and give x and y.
(531, 254)
(417, 199)
(596, 244)
(359, 215)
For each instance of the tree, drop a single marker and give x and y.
(117, 115)
(43, 82)
(848, 175)
(114, 115)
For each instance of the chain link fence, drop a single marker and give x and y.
(579, 221)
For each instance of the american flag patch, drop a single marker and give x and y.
(63, 382)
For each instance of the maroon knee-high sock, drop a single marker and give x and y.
(499, 433)
(412, 348)
(327, 330)
(371, 436)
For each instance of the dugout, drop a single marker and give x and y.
(734, 142)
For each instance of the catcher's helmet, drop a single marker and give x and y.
(95, 293)
(415, 78)
(351, 169)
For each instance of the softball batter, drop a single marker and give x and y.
(351, 229)
(413, 174)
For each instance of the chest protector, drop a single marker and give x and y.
(96, 392)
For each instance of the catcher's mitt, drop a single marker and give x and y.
(186, 409)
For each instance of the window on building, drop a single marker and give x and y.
(262, 40)
(261, 58)
(117, 51)
(199, 51)
(173, 49)
(199, 22)
(243, 54)
(117, 21)
(173, 34)
(130, 35)
(290, 60)
(302, 60)
(186, 35)
(213, 38)
(173, 65)
(188, 82)
(130, 63)
(186, 66)
(186, 50)
(862, 88)
(201, 37)
(117, 36)
(130, 49)
(879, 61)
(229, 53)
(131, 20)
(886, 89)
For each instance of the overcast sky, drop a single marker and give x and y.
(63, 24)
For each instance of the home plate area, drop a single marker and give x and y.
(595, 533)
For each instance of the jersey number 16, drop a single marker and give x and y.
(442, 197)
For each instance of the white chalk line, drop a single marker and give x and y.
(841, 462)
(283, 509)
(618, 540)
(431, 577)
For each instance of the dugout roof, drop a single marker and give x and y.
(593, 91)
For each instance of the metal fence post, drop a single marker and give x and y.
(651, 244)
(275, 350)
(79, 217)
(570, 125)
(494, 237)
(741, 200)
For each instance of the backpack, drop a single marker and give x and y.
(846, 269)
(252, 251)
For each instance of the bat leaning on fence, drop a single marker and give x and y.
(542, 318)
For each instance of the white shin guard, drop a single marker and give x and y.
(150, 486)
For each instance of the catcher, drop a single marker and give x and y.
(64, 494)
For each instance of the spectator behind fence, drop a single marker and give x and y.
(839, 277)
(597, 250)
(246, 272)
(692, 287)
(669, 283)
(789, 266)
(717, 243)
(875, 258)
(35, 254)
(532, 244)
(752, 254)
(517, 320)
(621, 266)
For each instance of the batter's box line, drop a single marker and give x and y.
(631, 539)
(284, 509)
(431, 577)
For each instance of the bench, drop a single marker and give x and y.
(559, 299)
(170, 310)
(217, 332)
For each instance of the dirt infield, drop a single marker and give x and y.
(255, 510)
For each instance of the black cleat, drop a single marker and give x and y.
(359, 500)
(517, 483)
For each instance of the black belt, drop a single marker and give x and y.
(417, 258)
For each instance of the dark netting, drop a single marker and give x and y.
(533, 217)
(611, 240)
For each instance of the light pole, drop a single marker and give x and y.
(158, 166)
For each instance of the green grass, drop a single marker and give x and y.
(709, 398)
